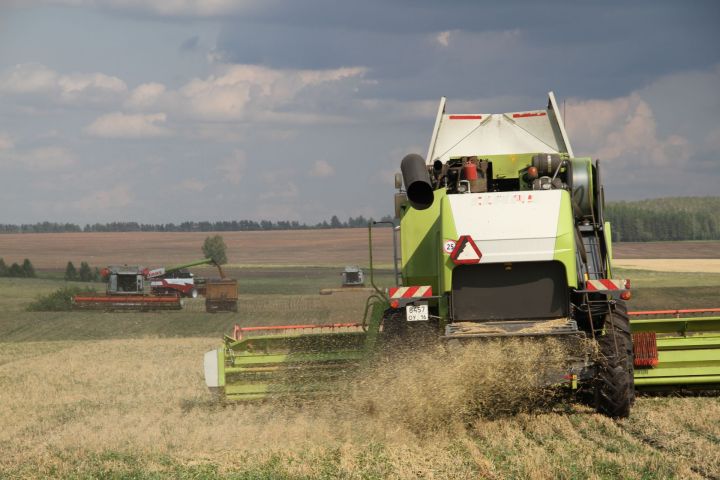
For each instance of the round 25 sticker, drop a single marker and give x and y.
(449, 246)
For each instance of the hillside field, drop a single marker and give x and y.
(121, 395)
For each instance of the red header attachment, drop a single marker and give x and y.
(466, 252)
(645, 347)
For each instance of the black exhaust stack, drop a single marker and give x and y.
(417, 181)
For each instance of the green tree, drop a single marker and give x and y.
(215, 248)
(85, 273)
(71, 274)
(3, 268)
(28, 269)
(16, 270)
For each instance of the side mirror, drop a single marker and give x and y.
(398, 181)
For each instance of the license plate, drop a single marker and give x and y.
(417, 313)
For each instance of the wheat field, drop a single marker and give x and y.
(138, 408)
(122, 395)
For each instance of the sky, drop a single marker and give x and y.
(174, 110)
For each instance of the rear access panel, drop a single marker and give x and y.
(509, 291)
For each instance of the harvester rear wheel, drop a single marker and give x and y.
(614, 382)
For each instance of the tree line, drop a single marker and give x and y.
(678, 218)
(202, 226)
(665, 219)
(84, 274)
(24, 270)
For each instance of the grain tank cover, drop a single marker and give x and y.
(459, 135)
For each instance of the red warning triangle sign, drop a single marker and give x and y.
(466, 252)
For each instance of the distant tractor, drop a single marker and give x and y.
(353, 276)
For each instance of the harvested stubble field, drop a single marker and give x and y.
(137, 408)
(121, 395)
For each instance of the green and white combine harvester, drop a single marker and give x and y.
(502, 234)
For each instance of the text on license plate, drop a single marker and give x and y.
(417, 313)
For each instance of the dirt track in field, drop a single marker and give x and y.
(288, 247)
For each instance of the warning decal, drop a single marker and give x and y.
(465, 251)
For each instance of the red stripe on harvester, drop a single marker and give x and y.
(674, 312)
(609, 284)
(529, 114)
(127, 299)
(645, 347)
(465, 117)
(589, 285)
(410, 292)
(295, 327)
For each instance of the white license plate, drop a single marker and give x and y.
(417, 313)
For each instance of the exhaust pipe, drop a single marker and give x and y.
(417, 181)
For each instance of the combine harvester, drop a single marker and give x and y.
(503, 235)
(126, 291)
(127, 286)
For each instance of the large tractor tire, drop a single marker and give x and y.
(614, 382)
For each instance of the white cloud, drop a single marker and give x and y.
(443, 38)
(233, 93)
(623, 129)
(36, 79)
(145, 95)
(233, 167)
(239, 90)
(321, 168)
(122, 125)
(42, 159)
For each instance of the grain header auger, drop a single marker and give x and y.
(263, 362)
(502, 235)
